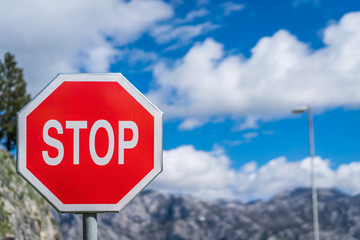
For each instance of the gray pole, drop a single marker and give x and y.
(89, 226)
(203, 228)
(312, 174)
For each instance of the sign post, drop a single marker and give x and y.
(89, 226)
(89, 143)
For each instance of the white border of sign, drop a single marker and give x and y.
(104, 77)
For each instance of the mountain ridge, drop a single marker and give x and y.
(288, 215)
(25, 214)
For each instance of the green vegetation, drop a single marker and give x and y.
(7, 175)
(24, 203)
(20, 204)
(13, 97)
(5, 227)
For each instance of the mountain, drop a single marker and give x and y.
(24, 214)
(288, 215)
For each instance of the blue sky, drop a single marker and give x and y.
(226, 74)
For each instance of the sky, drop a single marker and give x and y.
(226, 74)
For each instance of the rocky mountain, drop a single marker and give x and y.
(24, 214)
(155, 215)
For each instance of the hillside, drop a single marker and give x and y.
(155, 215)
(24, 214)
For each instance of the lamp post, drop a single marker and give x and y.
(312, 168)
(202, 220)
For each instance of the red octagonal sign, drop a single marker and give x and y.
(89, 142)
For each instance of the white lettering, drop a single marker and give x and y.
(53, 143)
(127, 144)
(106, 159)
(76, 125)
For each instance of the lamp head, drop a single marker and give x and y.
(300, 109)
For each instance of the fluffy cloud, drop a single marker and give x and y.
(183, 33)
(209, 175)
(230, 7)
(200, 173)
(49, 37)
(344, 180)
(281, 74)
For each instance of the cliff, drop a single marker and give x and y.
(24, 213)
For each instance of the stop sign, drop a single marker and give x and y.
(89, 142)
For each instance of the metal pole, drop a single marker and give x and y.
(312, 174)
(89, 226)
(203, 228)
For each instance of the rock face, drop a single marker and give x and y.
(154, 215)
(24, 214)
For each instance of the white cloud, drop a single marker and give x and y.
(230, 7)
(195, 172)
(348, 177)
(48, 37)
(182, 33)
(279, 175)
(232, 143)
(281, 73)
(98, 58)
(250, 135)
(191, 16)
(191, 123)
(208, 174)
(249, 167)
(135, 55)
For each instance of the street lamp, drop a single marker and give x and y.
(202, 220)
(312, 167)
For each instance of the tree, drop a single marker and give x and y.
(13, 97)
